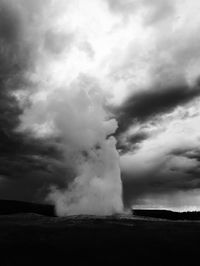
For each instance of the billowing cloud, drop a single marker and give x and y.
(25, 164)
(63, 107)
(159, 71)
(168, 160)
(141, 60)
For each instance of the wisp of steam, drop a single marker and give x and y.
(69, 50)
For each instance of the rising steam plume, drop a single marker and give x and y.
(69, 51)
(76, 116)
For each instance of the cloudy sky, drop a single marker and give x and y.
(141, 56)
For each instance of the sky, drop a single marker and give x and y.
(75, 72)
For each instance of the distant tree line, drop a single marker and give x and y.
(14, 207)
(166, 214)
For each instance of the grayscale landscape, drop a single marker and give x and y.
(99, 132)
(32, 238)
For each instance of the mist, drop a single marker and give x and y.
(76, 120)
(66, 105)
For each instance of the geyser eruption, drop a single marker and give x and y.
(67, 106)
(97, 188)
(76, 116)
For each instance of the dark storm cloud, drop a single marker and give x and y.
(163, 181)
(175, 171)
(14, 54)
(145, 104)
(11, 71)
(191, 154)
(131, 142)
(25, 163)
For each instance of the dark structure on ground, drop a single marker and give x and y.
(14, 207)
(165, 214)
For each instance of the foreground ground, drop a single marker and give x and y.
(32, 239)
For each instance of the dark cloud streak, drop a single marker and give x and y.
(146, 104)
